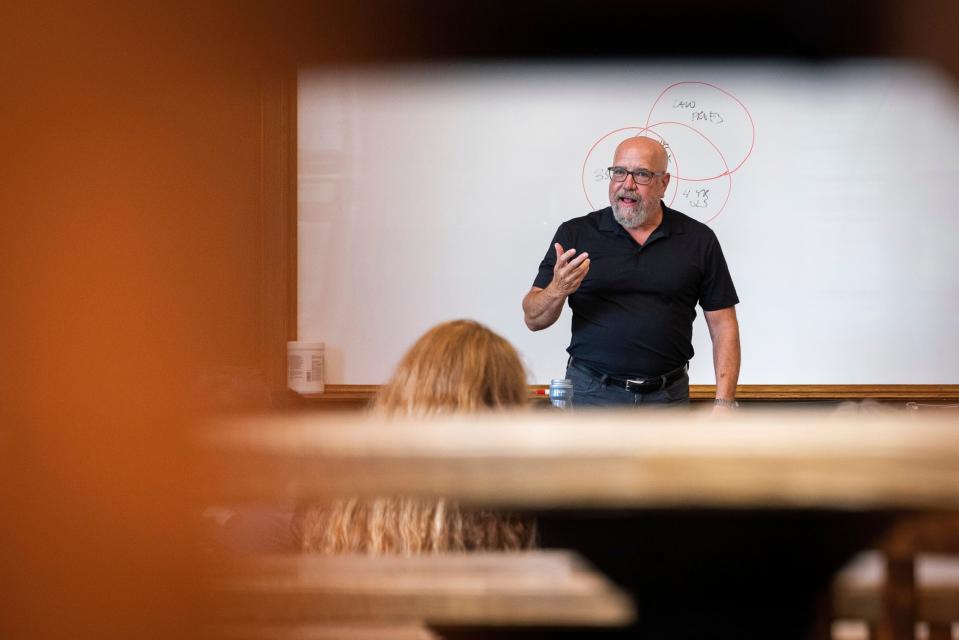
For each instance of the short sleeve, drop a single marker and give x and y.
(717, 291)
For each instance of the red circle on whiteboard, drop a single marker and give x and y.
(752, 126)
(722, 157)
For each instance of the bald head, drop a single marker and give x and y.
(652, 152)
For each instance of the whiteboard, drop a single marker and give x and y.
(428, 193)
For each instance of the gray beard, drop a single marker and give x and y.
(635, 219)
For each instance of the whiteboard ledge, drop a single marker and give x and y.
(362, 393)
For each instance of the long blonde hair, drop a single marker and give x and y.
(456, 367)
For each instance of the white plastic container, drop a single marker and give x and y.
(305, 366)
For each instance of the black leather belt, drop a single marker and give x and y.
(636, 385)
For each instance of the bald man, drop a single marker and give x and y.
(633, 274)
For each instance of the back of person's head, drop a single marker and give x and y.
(457, 366)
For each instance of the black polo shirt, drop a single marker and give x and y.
(633, 313)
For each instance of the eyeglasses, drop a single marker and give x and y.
(640, 176)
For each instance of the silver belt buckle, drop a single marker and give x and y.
(639, 383)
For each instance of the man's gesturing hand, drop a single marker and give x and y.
(541, 307)
(568, 272)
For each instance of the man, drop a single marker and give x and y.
(641, 269)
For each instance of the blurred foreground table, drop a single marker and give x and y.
(478, 589)
(609, 459)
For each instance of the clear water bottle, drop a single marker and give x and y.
(561, 393)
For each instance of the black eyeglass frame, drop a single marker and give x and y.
(640, 176)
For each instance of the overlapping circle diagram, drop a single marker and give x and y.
(708, 134)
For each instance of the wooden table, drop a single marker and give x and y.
(767, 460)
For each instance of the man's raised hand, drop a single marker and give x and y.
(569, 271)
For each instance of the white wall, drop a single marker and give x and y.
(427, 194)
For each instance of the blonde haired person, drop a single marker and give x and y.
(456, 367)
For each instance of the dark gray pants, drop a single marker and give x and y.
(590, 392)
